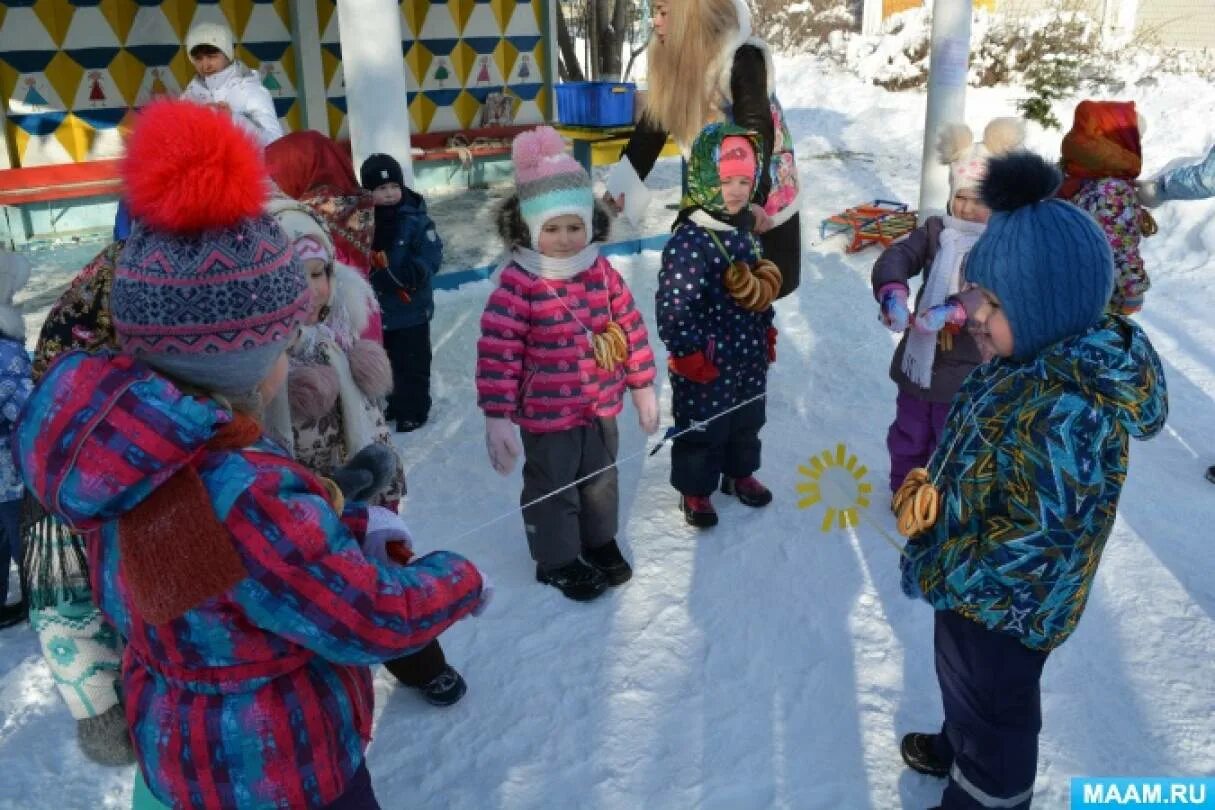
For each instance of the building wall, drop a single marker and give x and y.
(456, 53)
(1180, 23)
(72, 70)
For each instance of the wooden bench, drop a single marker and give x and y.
(464, 145)
(66, 181)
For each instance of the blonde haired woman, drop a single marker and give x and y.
(707, 45)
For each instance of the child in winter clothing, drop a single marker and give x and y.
(714, 314)
(1029, 471)
(407, 254)
(935, 355)
(1101, 159)
(560, 341)
(15, 387)
(243, 588)
(333, 385)
(224, 82)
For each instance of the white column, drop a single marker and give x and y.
(550, 52)
(871, 18)
(947, 67)
(377, 104)
(310, 75)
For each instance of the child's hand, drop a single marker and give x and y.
(1149, 193)
(502, 442)
(695, 367)
(646, 403)
(934, 319)
(388, 539)
(763, 222)
(379, 260)
(894, 316)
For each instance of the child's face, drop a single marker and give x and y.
(988, 325)
(736, 193)
(562, 237)
(659, 19)
(968, 205)
(318, 284)
(209, 61)
(387, 194)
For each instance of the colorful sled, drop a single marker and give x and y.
(879, 222)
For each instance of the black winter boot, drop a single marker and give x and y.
(577, 580)
(920, 753)
(608, 560)
(748, 490)
(698, 511)
(1211, 474)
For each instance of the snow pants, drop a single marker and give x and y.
(582, 516)
(728, 445)
(990, 691)
(913, 435)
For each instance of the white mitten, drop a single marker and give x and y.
(383, 527)
(646, 403)
(502, 442)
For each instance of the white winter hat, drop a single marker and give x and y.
(967, 159)
(217, 35)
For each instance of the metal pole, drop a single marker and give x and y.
(947, 69)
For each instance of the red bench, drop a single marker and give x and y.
(464, 144)
(66, 181)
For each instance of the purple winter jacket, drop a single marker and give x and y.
(908, 257)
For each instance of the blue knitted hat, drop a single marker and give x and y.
(1045, 259)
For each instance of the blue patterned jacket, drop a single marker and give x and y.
(15, 387)
(1030, 468)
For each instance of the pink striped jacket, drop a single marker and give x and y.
(535, 363)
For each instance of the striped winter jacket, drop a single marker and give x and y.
(1030, 468)
(261, 696)
(535, 362)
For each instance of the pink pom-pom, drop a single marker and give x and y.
(370, 368)
(312, 392)
(534, 146)
(189, 167)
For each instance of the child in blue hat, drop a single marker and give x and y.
(1028, 473)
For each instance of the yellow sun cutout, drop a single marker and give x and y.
(836, 480)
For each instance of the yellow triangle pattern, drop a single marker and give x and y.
(463, 57)
(503, 11)
(466, 108)
(460, 10)
(64, 75)
(56, 18)
(538, 11)
(505, 55)
(329, 66)
(245, 55)
(8, 81)
(127, 73)
(287, 62)
(120, 14)
(76, 137)
(284, 12)
(324, 11)
(181, 68)
(238, 13)
(3, 11)
(179, 13)
(19, 141)
(295, 121)
(422, 112)
(418, 59)
(414, 12)
(336, 116)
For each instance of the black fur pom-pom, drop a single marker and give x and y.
(1018, 179)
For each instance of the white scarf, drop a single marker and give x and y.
(944, 279)
(552, 268)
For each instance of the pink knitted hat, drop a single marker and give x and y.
(550, 182)
(737, 158)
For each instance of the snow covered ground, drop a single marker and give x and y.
(764, 663)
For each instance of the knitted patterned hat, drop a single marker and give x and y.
(967, 160)
(1045, 259)
(303, 227)
(550, 182)
(737, 158)
(215, 34)
(206, 289)
(379, 169)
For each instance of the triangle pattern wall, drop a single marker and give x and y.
(71, 71)
(456, 53)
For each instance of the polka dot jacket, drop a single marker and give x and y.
(695, 313)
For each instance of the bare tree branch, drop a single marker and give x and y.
(568, 67)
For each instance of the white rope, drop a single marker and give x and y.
(616, 463)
